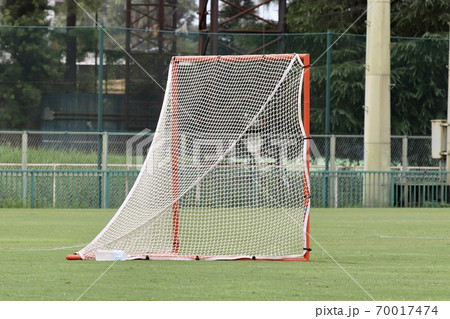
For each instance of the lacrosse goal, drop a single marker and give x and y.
(226, 176)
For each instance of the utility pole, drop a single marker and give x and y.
(377, 118)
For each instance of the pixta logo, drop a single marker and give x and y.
(137, 147)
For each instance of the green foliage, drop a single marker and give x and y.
(347, 86)
(306, 16)
(347, 79)
(87, 40)
(24, 12)
(415, 18)
(410, 18)
(11, 203)
(419, 81)
(30, 65)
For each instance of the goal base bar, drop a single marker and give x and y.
(216, 258)
(224, 258)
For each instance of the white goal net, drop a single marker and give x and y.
(226, 176)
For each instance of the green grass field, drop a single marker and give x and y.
(393, 254)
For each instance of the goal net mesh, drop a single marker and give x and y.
(226, 174)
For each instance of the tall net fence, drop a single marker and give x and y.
(57, 87)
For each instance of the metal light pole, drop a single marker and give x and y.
(100, 115)
(326, 181)
(447, 166)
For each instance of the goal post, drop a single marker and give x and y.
(227, 174)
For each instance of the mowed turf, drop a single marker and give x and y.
(387, 254)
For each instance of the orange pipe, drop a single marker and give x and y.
(306, 123)
(175, 172)
(235, 57)
(73, 257)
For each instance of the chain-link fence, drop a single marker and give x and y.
(121, 150)
(42, 150)
(90, 169)
(346, 152)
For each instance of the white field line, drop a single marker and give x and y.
(44, 249)
(342, 268)
(409, 237)
(388, 267)
(98, 278)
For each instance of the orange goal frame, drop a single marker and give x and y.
(305, 111)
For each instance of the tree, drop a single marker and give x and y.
(305, 16)
(415, 63)
(409, 18)
(419, 83)
(30, 62)
(416, 18)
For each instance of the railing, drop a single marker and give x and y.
(65, 188)
(91, 188)
(97, 169)
(380, 189)
(111, 150)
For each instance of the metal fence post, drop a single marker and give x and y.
(24, 166)
(405, 153)
(32, 174)
(403, 180)
(333, 177)
(100, 152)
(327, 198)
(105, 184)
(54, 186)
